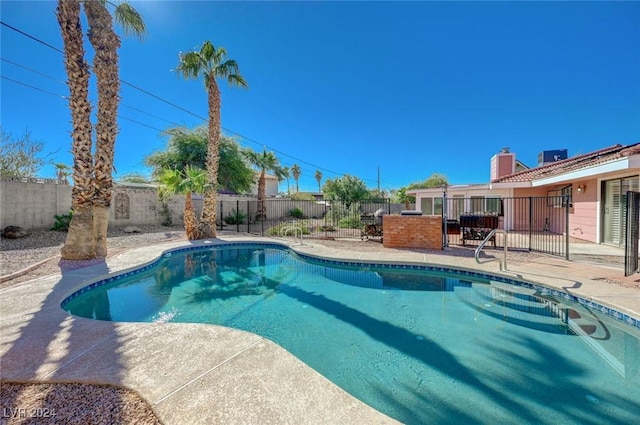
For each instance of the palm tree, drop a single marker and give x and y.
(79, 244)
(318, 176)
(187, 181)
(295, 170)
(211, 62)
(263, 161)
(92, 183)
(105, 44)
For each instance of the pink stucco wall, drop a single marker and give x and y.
(583, 219)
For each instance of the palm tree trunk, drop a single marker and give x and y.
(79, 244)
(207, 227)
(261, 211)
(105, 43)
(190, 222)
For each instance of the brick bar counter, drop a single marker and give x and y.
(422, 231)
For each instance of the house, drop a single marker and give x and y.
(593, 187)
(271, 185)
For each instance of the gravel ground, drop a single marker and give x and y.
(95, 404)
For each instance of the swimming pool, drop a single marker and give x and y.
(421, 344)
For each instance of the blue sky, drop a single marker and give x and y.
(411, 88)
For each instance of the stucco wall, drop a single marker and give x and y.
(584, 214)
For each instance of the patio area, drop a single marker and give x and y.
(194, 373)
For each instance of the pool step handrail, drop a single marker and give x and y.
(292, 228)
(492, 233)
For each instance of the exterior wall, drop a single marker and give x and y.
(270, 185)
(412, 231)
(31, 204)
(583, 217)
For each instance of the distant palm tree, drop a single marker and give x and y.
(211, 62)
(185, 182)
(295, 170)
(263, 161)
(318, 176)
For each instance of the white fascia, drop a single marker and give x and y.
(510, 185)
(596, 170)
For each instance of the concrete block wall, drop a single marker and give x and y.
(32, 205)
(412, 231)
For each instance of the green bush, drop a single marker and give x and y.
(296, 212)
(62, 221)
(302, 196)
(236, 217)
(165, 213)
(275, 230)
(327, 228)
(350, 222)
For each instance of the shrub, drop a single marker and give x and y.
(327, 228)
(275, 230)
(62, 221)
(166, 214)
(236, 217)
(302, 196)
(296, 212)
(350, 222)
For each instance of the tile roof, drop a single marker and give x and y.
(572, 164)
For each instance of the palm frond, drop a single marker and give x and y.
(130, 20)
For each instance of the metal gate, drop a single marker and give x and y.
(632, 233)
(534, 223)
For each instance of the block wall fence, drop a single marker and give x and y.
(412, 231)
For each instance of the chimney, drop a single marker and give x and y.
(503, 164)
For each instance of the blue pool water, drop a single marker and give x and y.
(422, 347)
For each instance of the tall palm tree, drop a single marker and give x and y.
(318, 176)
(92, 179)
(263, 161)
(105, 44)
(212, 63)
(186, 182)
(79, 244)
(295, 170)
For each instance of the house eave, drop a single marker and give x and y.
(589, 172)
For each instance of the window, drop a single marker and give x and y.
(426, 205)
(493, 206)
(558, 198)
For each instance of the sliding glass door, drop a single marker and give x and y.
(614, 208)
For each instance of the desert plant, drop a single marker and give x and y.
(350, 222)
(277, 229)
(302, 196)
(165, 212)
(235, 217)
(296, 212)
(62, 221)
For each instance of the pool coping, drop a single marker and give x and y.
(260, 381)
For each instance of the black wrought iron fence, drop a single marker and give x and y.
(315, 219)
(632, 233)
(533, 223)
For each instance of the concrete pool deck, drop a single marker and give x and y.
(193, 373)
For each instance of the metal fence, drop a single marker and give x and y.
(632, 233)
(316, 219)
(533, 223)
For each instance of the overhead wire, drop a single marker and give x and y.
(243, 137)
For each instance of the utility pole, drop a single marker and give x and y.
(378, 179)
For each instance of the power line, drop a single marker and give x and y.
(33, 87)
(174, 105)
